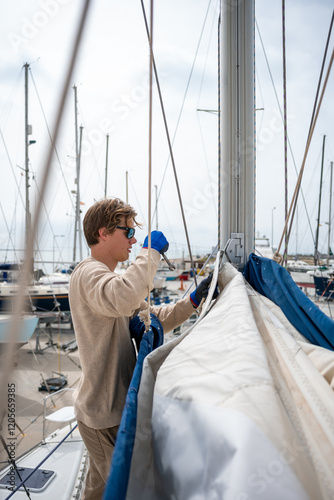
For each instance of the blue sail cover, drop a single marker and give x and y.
(120, 468)
(274, 282)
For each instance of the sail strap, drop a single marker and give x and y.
(277, 257)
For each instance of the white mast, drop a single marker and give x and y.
(237, 125)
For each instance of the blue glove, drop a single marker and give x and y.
(201, 292)
(158, 242)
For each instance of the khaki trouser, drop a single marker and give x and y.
(100, 444)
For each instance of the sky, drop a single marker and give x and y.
(112, 80)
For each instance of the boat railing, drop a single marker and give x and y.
(63, 415)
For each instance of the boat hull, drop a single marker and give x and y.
(40, 299)
(324, 286)
(27, 327)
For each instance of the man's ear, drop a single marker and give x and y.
(103, 233)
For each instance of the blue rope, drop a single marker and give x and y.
(41, 463)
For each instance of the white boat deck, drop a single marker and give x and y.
(70, 456)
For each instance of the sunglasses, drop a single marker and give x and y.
(130, 231)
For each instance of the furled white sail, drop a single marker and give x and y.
(235, 408)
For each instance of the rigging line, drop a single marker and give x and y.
(18, 306)
(52, 142)
(12, 229)
(166, 127)
(169, 225)
(206, 59)
(147, 320)
(9, 105)
(170, 143)
(313, 111)
(201, 270)
(280, 110)
(12, 169)
(92, 151)
(207, 164)
(49, 221)
(137, 201)
(293, 201)
(198, 118)
(16, 182)
(184, 97)
(258, 85)
(9, 233)
(322, 69)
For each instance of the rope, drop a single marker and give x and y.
(8, 359)
(277, 257)
(147, 317)
(322, 69)
(285, 132)
(201, 270)
(280, 110)
(53, 143)
(167, 131)
(312, 118)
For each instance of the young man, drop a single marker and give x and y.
(102, 304)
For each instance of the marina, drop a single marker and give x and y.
(241, 394)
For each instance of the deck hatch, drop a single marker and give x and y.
(37, 482)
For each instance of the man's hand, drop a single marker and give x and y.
(201, 292)
(158, 242)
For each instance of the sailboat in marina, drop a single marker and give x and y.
(241, 404)
(48, 294)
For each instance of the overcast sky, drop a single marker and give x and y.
(111, 75)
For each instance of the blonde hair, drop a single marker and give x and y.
(106, 213)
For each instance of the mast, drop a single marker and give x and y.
(77, 225)
(78, 195)
(316, 253)
(27, 130)
(27, 142)
(237, 126)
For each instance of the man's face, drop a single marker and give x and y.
(118, 243)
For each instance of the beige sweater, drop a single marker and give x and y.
(102, 303)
